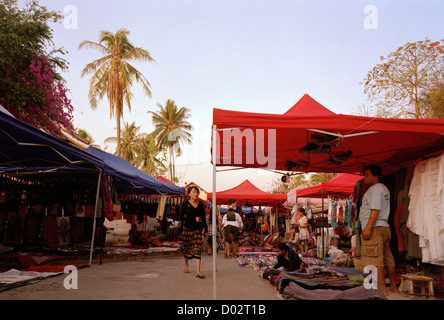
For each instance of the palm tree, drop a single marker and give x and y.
(113, 75)
(171, 128)
(87, 137)
(129, 141)
(146, 156)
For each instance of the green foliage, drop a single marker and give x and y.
(140, 150)
(171, 129)
(30, 82)
(433, 102)
(147, 156)
(26, 32)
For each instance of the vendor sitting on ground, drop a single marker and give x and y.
(293, 239)
(135, 238)
(253, 240)
(288, 259)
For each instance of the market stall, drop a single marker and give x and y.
(32, 164)
(293, 199)
(335, 193)
(141, 200)
(55, 196)
(310, 138)
(248, 194)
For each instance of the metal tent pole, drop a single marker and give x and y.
(213, 227)
(328, 231)
(94, 218)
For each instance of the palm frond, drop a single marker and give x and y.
(94, 45)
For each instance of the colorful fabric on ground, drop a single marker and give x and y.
(320, 279)
(257, 260)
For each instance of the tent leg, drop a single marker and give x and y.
(94, 219)
(213, 226)
(323, 210)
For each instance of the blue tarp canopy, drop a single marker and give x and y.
(25, 147)
(132, 179)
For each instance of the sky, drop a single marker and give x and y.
(245, 55)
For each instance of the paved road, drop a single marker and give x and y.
(154, 278)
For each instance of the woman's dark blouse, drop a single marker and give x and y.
(188, 215)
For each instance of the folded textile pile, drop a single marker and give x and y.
(262, 260)
(296, 292)
(321, 279)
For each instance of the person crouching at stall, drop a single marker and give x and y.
(288, 259)
(135, 238)
(193, 225)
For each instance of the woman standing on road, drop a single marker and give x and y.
(192, 220)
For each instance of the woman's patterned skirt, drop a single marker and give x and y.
(192, 243)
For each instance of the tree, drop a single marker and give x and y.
(130, 137)
(147, 156)
(318, 178)
(404, 76)
(113, 75)
(433, 101)
(140, 150)
(307, 179)
(171, 129)
(294, 181)
(87, 137)
(30, 84)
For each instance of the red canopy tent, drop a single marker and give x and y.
(245, 193)
(308, 106)
(341, 185)
(310, 138)
(165, 180)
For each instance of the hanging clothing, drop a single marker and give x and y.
(342, 215)
(425, 209)
(161, 208)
